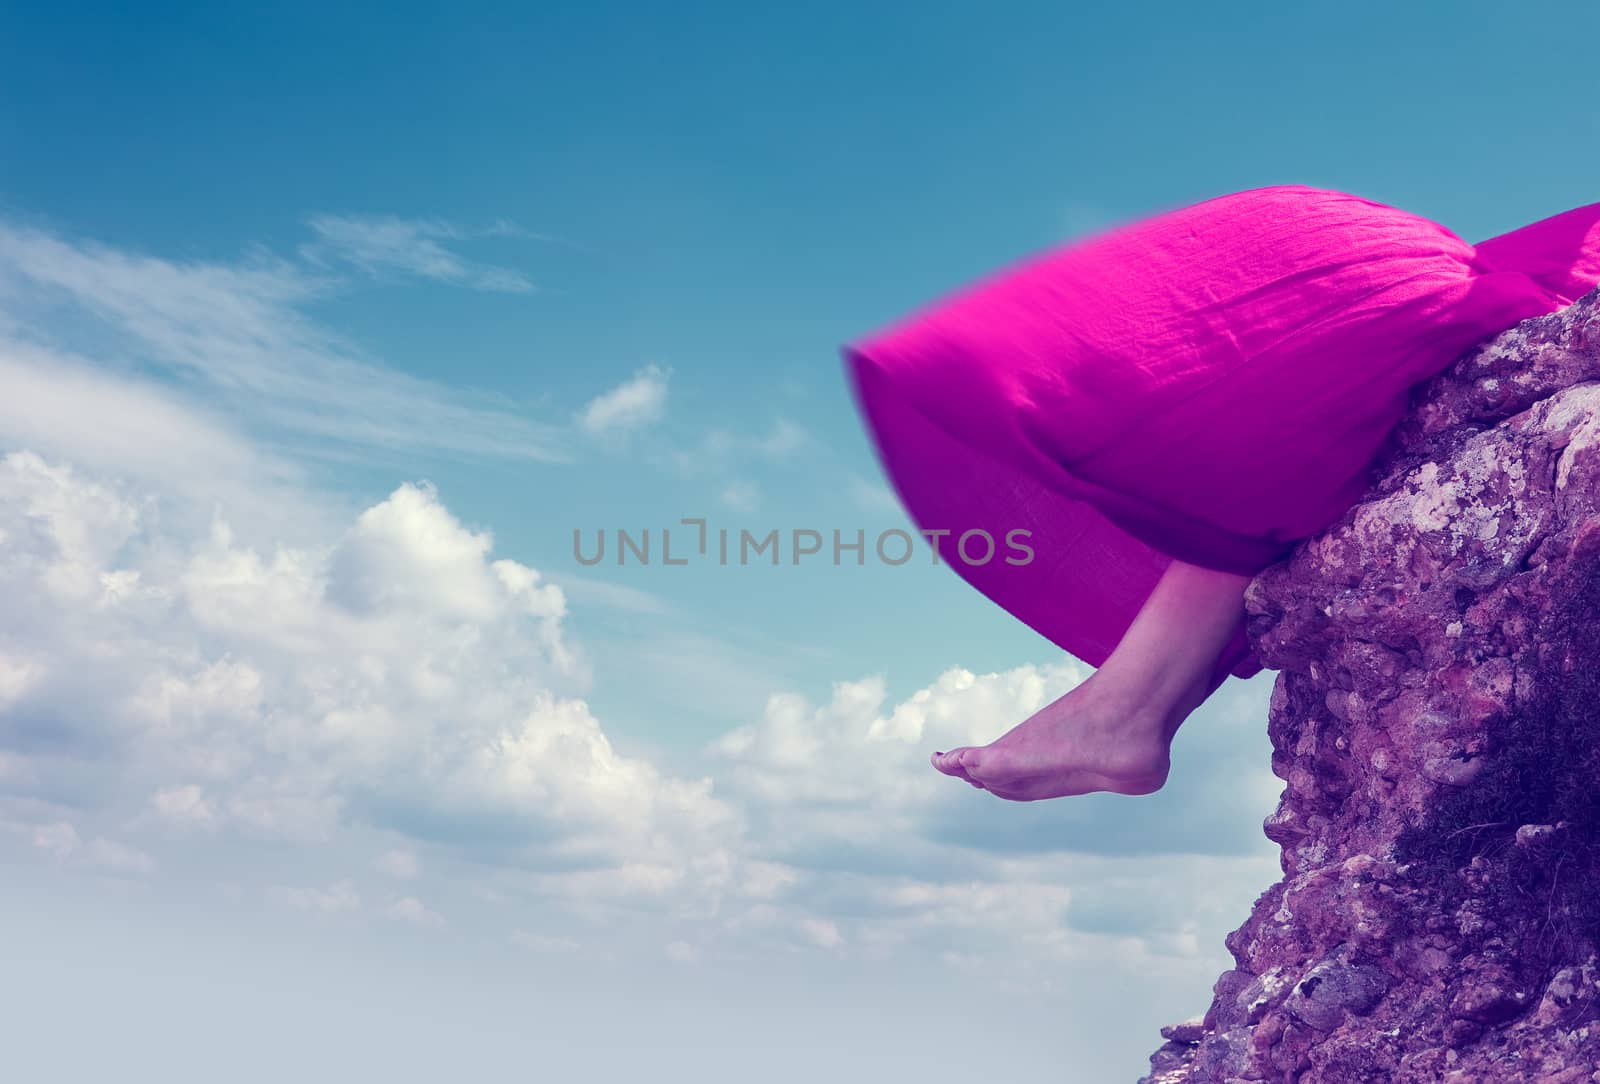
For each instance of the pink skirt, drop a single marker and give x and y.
(1212, 383)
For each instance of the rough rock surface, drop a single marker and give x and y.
(1437, 723)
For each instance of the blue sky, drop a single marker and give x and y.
(322, 330)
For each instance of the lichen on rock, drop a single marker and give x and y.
(1436, 721)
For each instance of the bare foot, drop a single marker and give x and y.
(1114, 731)
(1092, 739)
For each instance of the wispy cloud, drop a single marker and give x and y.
(59, 404)
(741, 496)
(603, 594)
(416, 247)
(635, 403)
(242, 334)
(872, 496)
(721, 449)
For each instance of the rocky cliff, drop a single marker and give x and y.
(1436, 722)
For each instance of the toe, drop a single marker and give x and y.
(950, 763)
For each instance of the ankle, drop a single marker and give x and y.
(1151, 698)
(1121, 699)
(1142, 672)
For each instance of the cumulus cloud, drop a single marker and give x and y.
(852, 773)
(397, 675)
(199, 655)
(409, 553)
(842, 798)
(859, 748)
(399, 678)
(637, 402)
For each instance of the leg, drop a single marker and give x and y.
(1114, 731)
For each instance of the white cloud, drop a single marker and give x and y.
(822, 932)
(400, 863)
(59, 405)
(614, 596)
(397, 675)
(185, 805)
(380, 245)
(188, 667)
(859, 749)
(635, 403)
(412, 910)
(409, 552)
(725, 458)
(873, 497)
(17, 675)
(843, 802)
(242, 332)
(853, 773)
(62, 843)
(396, 680)
(741, 496)
(784, 440)
(720, 450)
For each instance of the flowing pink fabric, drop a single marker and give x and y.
(1211, 383)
